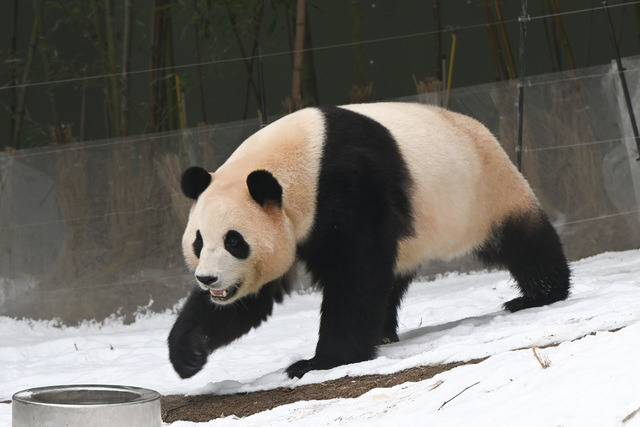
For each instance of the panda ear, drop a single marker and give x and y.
(264, 188)
(194, 181)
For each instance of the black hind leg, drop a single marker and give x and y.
(390, 331)
(529, 247)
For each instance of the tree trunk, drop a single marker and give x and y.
(157, 86)
(309, 81)
(296, 81)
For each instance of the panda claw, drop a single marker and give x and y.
(389, 339)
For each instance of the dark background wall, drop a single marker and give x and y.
(398, 45)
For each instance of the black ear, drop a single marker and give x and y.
(264, 188)
(194, 181)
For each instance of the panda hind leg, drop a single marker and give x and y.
(530, 248)
(397, 291)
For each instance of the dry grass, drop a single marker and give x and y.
(541, 358)
(361, 94)
(289, 105)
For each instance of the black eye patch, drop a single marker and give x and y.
(235, 244)
(197, 244)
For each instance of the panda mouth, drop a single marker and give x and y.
(224, 294)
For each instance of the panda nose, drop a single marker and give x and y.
(207, 280)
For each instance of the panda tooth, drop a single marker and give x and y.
(224, 293)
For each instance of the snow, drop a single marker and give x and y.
(592, 379)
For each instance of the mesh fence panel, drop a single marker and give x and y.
(92, 229)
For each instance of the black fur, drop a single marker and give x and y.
(198, 244)
(264, 188)
(204, 326)
(363, 209)
(194, 181)
(235, 244)
(529, 247)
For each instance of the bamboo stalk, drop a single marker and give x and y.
(309, 81)
(636, 9)
(250, 61)
(33, 44)
(83, 108)
(548, 38)
(454, 38)
(126, 67)
(505, 39)
(46, 65)
(589, 30)
(153, 55)
(157, 86)
(203, 106)
(170, 74)
(180, 103)
(438, 37)
(500, 68)
(98, 24)
(112, 84)
(562, 33)
(355, 10)
(13, 69)
(257, 27)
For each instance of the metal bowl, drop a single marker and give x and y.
(86, 406)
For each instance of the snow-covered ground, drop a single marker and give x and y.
(593, 378)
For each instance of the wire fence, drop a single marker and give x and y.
(89, 230)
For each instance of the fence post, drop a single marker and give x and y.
(623, 80)
(523, 32)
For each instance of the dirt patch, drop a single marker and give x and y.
(208, 407)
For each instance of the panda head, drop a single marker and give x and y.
(238, 237)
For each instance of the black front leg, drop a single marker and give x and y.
(351, 323)
(204, 326)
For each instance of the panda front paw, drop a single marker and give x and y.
(301, 367)
(189, 354)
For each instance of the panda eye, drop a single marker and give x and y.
(235, 244)
(198, 244)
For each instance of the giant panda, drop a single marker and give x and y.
(361, 195)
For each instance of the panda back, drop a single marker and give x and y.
(463, 183)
